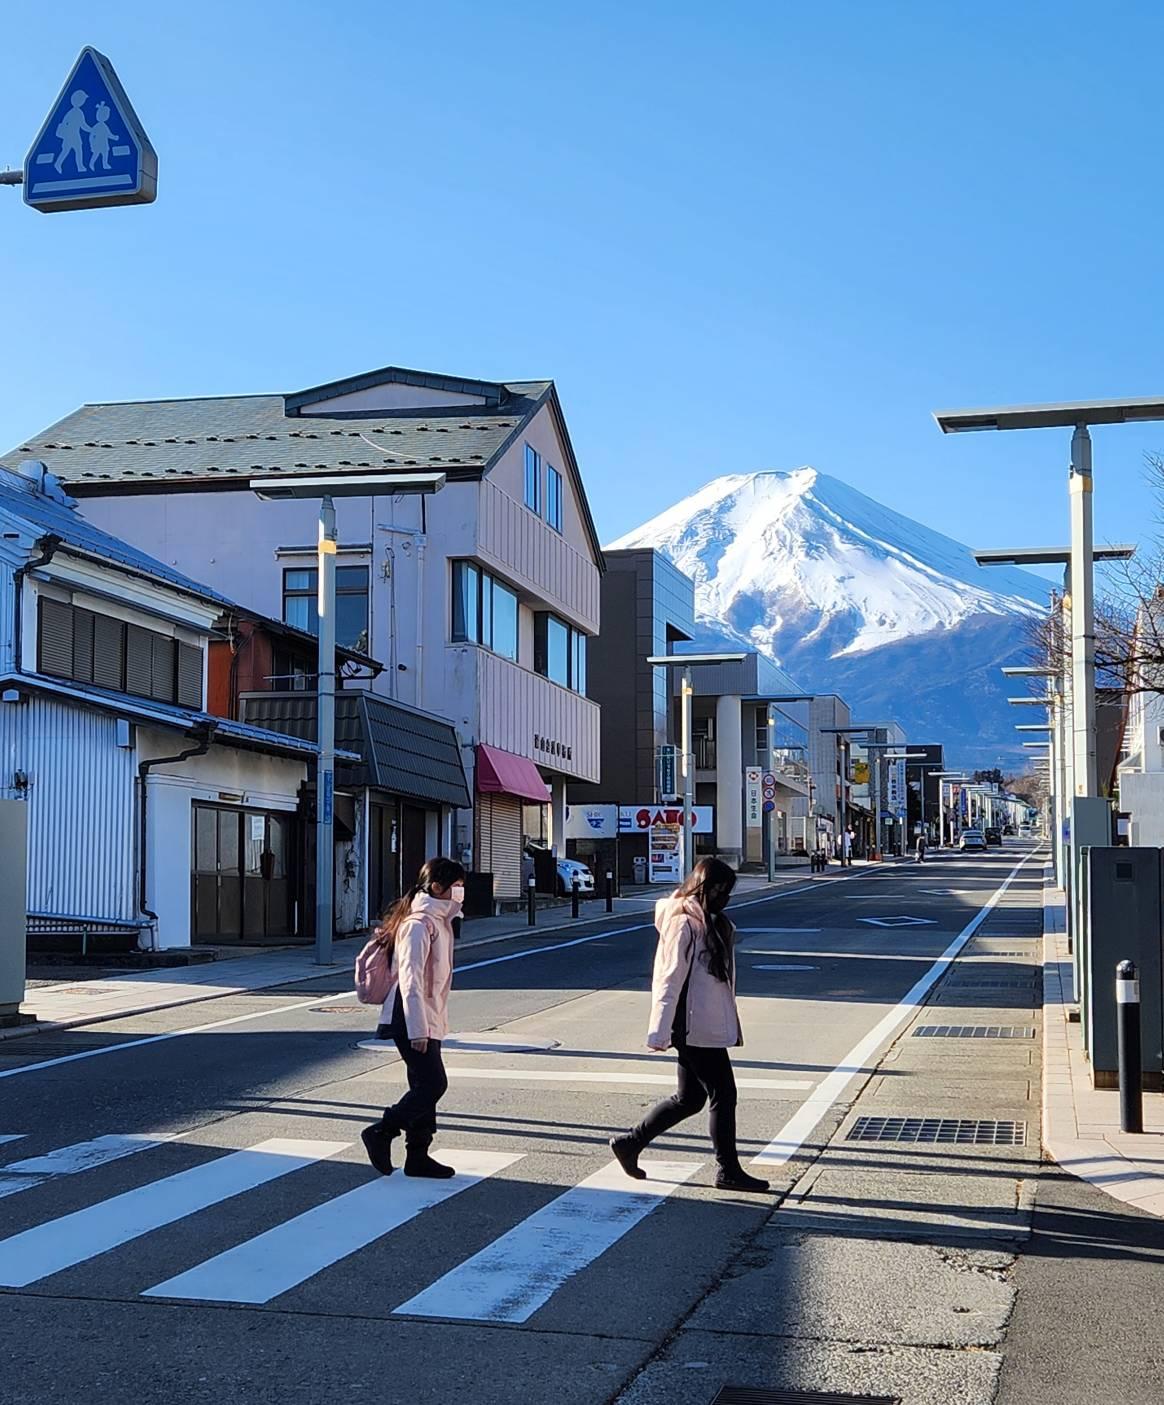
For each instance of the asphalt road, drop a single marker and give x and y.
(186, 1212)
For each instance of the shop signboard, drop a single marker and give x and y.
(753, 788)
(638, 819)
(592, 822)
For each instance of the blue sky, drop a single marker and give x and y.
(751, 235)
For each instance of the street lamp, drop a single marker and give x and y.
(687, 662)
(279, 488)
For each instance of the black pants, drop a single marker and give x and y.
(415, 1113)
(705, 1077)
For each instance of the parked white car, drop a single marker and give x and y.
(568, 870)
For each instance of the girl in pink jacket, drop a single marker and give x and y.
(693, 1007)
(417, 932)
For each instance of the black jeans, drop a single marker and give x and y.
(415, 1113)
(705, 1076)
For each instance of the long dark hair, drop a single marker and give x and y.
(439, 873)
(710, 883)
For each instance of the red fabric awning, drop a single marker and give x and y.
(499, 770)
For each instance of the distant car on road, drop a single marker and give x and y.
(1008, 829)
(992, 836)
(972, 839)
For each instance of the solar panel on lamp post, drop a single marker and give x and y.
(324, 489)
(686, 662)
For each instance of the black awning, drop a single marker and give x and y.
(406, 752)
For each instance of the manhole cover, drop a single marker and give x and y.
(746, 1395)
(959, 1131)
(973, 1031)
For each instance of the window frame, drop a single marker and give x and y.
(533, 480)
(555, 499)
(577, 652)
(488, 590)
(311, 592)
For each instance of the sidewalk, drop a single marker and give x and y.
(67, 1004)
(1081, 1124)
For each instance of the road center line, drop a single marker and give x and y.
(801, 1124)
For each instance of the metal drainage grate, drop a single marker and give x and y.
(961, 1131)
(975, 952)
(978, 983)
(337, 1009)
(973, 1031)
(747, 1395)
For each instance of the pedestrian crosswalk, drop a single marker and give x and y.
(507, 1281)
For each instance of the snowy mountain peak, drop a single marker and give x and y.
(799, 563)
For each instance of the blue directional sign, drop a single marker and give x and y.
(92, 150)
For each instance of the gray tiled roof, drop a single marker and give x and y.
(151, 444)
(47, 517)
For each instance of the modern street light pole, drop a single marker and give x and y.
(1082, 615)
(325, 489)
(944, 778)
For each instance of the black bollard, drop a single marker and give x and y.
(531, 899)
(574, 897)
(609, 891)
(1131, 1073)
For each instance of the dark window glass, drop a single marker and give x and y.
(466, 603)
(557, 651)
(301, 603)
(487, 610)
(554, 498)
(560, 652)
(578, 671)
(533, 479)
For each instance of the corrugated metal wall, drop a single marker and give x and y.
(80, 799)
(499, 843)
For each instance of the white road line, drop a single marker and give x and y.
(272, 1263)
(782, 966)
(69, 1160)
(12, 1136)
(779, 931)
(71, 1239)
(347, 995)
(12, 1185)
(800, 1125)
(665, 1080)
(515, 1275)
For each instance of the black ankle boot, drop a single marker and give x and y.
(417, 1162)
(736, 1178)
(377, 1141)
(626, 1152)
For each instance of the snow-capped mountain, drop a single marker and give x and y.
(850, 596)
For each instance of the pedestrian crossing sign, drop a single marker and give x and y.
(92, 150)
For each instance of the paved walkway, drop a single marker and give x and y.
(1081, 1124)
(65, 1004)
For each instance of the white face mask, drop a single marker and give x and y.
(457, 893)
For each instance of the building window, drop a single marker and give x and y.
(533, 480)
(300, 591)
(86, 647)
(554, 498)
(484, 610)
(560, 652)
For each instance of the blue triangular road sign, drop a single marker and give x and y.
(92, 150)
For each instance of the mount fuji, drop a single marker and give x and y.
(851, 597)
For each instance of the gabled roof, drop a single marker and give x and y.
(218, 443)
(47, 517)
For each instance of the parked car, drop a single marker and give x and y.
(567, 870)
(992, 836)
(972, 839)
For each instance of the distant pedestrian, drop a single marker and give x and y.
(847, 848)
(694, 1009)
(920, 846)
(415, 939)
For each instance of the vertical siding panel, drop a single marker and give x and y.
(515, 703)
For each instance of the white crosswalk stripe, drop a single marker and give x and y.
(72, 1239)
(12, 1137)
(285, 1256)
(519, 1272)
(69, 1160)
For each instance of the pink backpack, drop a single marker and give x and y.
(373, 974)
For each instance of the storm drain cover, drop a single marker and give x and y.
(973, 1031)
(747, 1395)
(961, 1131)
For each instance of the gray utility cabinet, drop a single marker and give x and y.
(13, 906)
(1124, 904)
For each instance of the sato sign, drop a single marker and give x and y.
(92, 151)
(637, 819)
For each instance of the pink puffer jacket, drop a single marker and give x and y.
(422, 967)
(713, 1021)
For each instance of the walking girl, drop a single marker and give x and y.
(693, 1008)
(413, 948)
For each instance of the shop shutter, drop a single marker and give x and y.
(189, 675)
(108, 653)
(55, 638)
(163, 684)
(139, 661)
(505, 846)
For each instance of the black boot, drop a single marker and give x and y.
(417, 1161)
(626, 1151)
(736, 1178)
(377, 1141)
